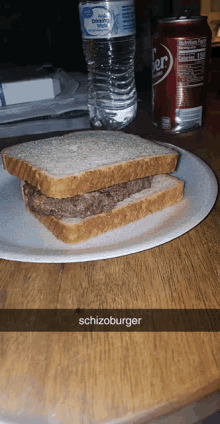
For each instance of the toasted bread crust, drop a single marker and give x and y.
(85, 182)
(104, 222)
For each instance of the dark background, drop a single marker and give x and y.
(36, 33)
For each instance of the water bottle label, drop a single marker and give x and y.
(107, 19)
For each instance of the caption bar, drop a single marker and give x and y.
(113, 320)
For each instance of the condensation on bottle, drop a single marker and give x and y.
(108, 32)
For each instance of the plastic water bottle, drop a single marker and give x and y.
(108, 32)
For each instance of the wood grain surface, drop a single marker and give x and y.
(119, 377)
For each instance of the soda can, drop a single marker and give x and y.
(180, 58)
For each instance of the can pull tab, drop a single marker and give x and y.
(187, 13)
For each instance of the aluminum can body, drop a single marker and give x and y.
(180, 59)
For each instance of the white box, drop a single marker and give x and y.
(29, 91)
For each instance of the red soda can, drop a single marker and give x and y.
(180, 58)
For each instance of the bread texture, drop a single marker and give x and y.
(165, 191)
(86, 161)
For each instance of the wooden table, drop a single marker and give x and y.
(125, 377)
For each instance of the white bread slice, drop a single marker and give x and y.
(86, 161)
(165, 190)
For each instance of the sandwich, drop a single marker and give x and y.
(86, 183)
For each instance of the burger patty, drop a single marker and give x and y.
(82, 206)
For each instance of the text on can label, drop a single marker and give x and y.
(162, 65)
(158, 64)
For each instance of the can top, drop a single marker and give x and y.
(182, 18)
